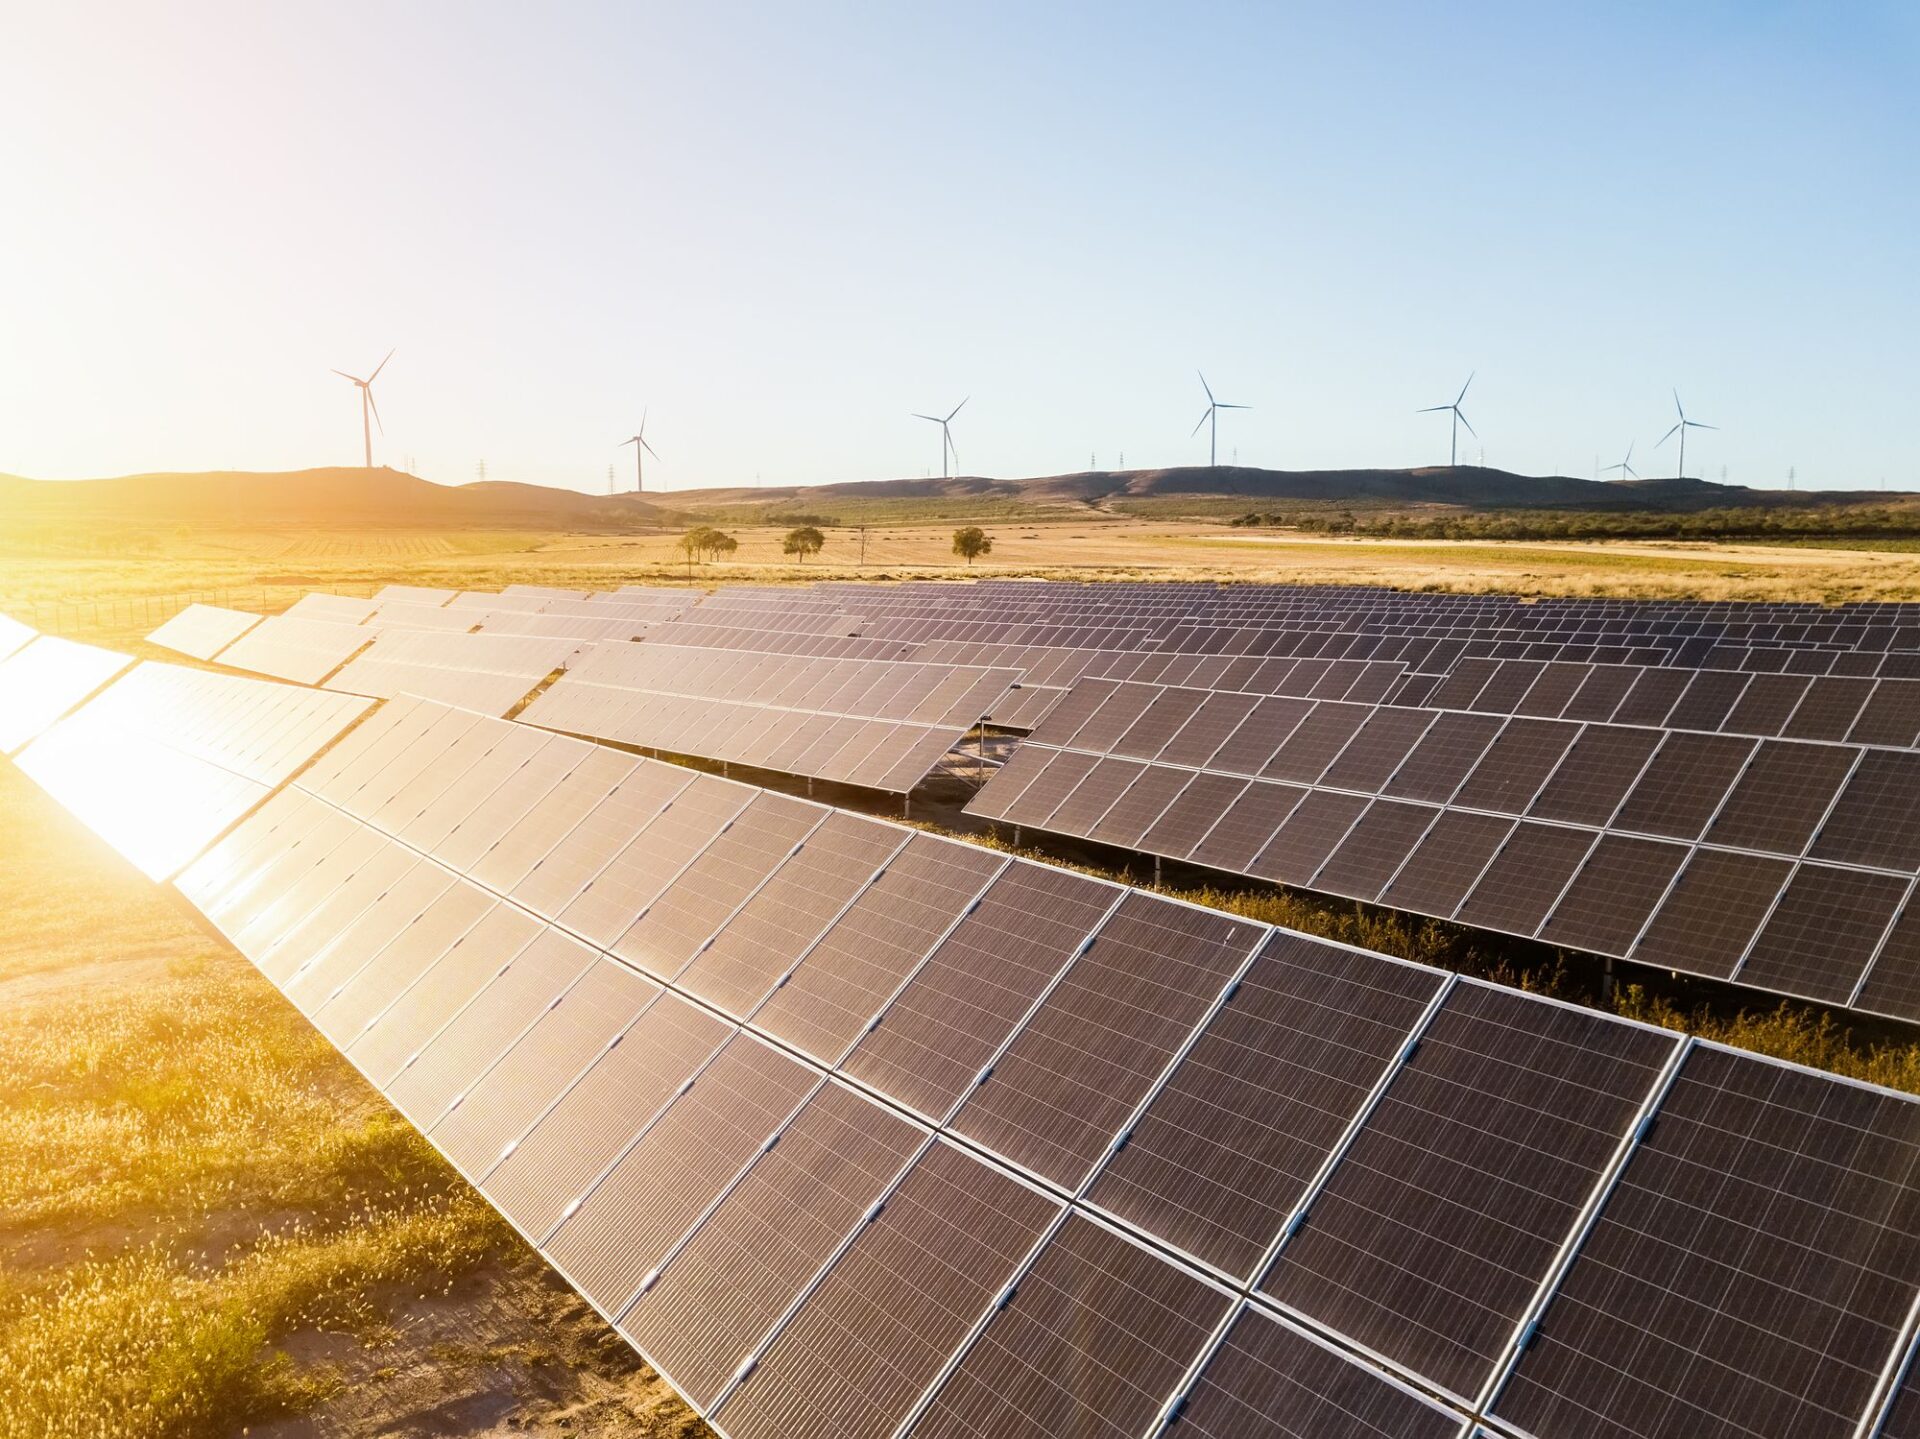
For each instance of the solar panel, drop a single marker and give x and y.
(774, 928)
(567, 872)
(1823, 932)
(199, 631)
(724, 1288)
(613, 1101)
(676, 927)
(1447, 863)
(885, 1318)
(1715, 908)
(1684, 784)
(490, 674)
(1874, 822)
(303, 648)
(43, 680)
(843, 982)
(1750, 1272)
(1781, 798)
(629, 1222)
(1272, 1379)
(1093, 1340)
(1380, 841)
(1067, 1085)
(1617, 889)
(1230, 1142)
(949, 1021)
(1521, 884)
(1428, 1240)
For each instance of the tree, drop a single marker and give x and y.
(803, 542)
(971, 543)
(703, 542)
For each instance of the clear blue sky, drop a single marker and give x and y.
(782, 228)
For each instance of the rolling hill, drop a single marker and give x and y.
(351, 498)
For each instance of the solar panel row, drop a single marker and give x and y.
(165, 759)
(1785, 864)
(865, 722)
(485, 672)
(1027, 1153)
(201, 631)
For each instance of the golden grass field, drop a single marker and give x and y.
(210, 1226)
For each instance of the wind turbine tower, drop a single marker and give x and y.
(1459, 419)
(641, 449)
(1210, 417)
(367, 406)
(1681, 429)
(946, 435)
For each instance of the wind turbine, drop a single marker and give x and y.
(1211, 418)
(1681, 430)
(946, 435)
(367, 405)
(1459, 419)
(639, 443)
(1625, 467)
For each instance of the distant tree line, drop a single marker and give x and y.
(1812, 522)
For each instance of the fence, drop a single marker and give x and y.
(113, 614)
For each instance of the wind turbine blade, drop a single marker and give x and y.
(649, 449)
(1667, 436)
(956, 409)
(1223, 405)
(367, 390)
(935, 418)
(1700, 425)
(1678, 407)
(1463, 420)
(1463, 389)
(378, 368)
(635, 439)
(345, 376)
(1205, 386)
(1433, 409)
(1205, 415)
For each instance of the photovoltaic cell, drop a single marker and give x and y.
(449, 1061)
(946, 1025)
(671, 931)
(774, 928)
(1269, 1379)
(1616, 890)
(644, 794)
(1260, 736)
(721, 1293)
(532, 836)
(1713, 912)
(1781, 798)
(1828, 709)
(1097, 1335)
(877, 1330)
(1522, 883)
(1068, 1083)
(1311, 832)
(1748, 1274)
(1444, 758)
(499, 1106)
(1378, 749)
(1825, 929)
(1242, 829)
(632, 1218)
(1445, 865)
(1875, 822)
(1315, 742)
(1095, 795)
(1190, 817)
(1431, 1236)
(1374, 849)
(1684, 784)
(640, 853)
(1229, 1144)
(1144, 802)
(871, 950)
(1766, 704)
(1517, 764)
(1893, 983)
(418, 1014)
(1208, 729)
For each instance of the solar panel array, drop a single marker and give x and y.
(201, 631)
(485, 672)
(1787, 864)
(858, 1130)
(167, 758)
(875, 723)
(46, 677)
(305, 648)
